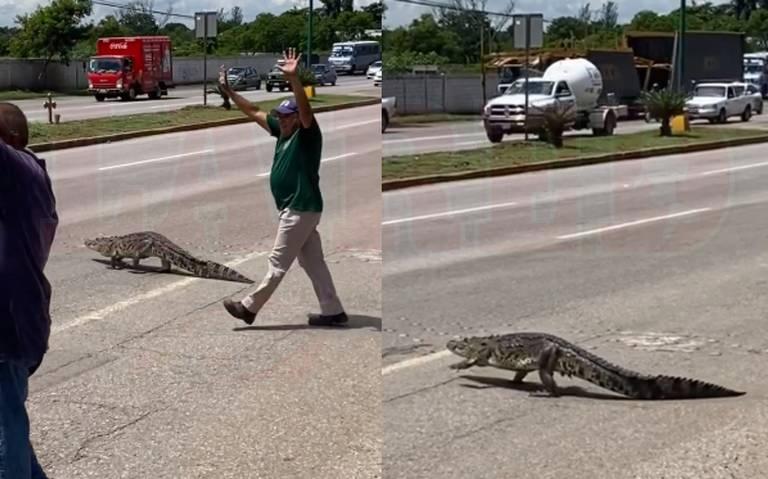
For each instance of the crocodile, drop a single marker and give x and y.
(526, 352)
(147, 244)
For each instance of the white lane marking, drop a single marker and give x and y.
(355, 125)
(449, 213)
(429, 138)
(634, 223)
(121, 305)
(155, 160)
(465, 143)
(427, 358)
(735, 168)
(333, 158)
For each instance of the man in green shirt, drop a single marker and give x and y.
(294, 181)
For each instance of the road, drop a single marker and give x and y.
(658, 265)
(82, 107)
(148, 376)
(466, 135)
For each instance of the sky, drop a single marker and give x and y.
(10, 8)
(399, 13)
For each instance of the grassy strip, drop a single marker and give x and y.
(16, 95)
(44, 132)
(404, 120)
(520, 153)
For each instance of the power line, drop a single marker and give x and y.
(121, 6)
(435, 4)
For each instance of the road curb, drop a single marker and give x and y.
(95, 140)
(570, 163)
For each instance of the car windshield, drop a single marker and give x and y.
(236, 71)
(534, 88)
(376, 64)
(341, 51)
(318, 68)
(710, 91)
(105, 65)
(753, 68)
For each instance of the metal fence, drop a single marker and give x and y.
(420, 94)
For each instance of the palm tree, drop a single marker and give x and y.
(663, 105)
(556, 116)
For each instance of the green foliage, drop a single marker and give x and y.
(306, 77)
(404, 62)
(51, 31)
(557, 116)
(663, 105)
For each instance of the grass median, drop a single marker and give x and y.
(16, 95)
(515, 153)
(405, 120)
(69, 130)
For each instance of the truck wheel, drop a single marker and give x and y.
(722, 117)
(495, 134)
(154, 95)
(384, 120)
(269, 87)
(747, 113)
(99, 97)
(610, 124)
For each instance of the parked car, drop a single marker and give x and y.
(717, 102)
(378, 78)
(242, 78)
(387, 111)
(276, 79)
(324, 74)
(753, 92)
(375, 67)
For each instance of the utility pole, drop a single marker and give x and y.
(309, 38)
(680, 67)
(482, 59)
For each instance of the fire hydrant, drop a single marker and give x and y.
(50, 105)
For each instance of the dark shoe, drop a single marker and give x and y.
(237, 310)
(323, 320)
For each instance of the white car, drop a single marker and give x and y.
(373, 69)
(717, 102)
(378, 78)
(387, 111)
(753, 92)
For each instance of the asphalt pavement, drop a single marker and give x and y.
(82, 107)
(659, 265)
(148, 376)
(421, 138)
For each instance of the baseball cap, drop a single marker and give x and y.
(287, 107)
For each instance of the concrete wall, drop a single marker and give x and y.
(25, 74)
(439, 93)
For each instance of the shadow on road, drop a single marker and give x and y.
(144, 269)
(536, 387)
(355, 322)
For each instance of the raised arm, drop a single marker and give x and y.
(244, 105)
(291, 71)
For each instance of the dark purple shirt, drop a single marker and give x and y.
(28, 222)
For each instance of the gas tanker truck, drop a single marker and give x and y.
(572, 81)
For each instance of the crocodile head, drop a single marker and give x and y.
(476, 349)
(100, 245)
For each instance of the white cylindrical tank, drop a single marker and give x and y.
(583, 78)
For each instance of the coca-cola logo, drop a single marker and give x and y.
(118, 46)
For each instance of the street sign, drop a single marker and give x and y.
(536, 33)
(206, 24)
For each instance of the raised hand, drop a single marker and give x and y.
(291, 65)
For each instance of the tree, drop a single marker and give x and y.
(609, 15)
(563, 30)
(376, 10)
(51, 31)
(137, 18)
(663, 105)
(757, 27)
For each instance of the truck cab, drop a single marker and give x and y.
(756, 71)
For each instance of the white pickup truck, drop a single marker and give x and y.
(387, 111)
(717, 102)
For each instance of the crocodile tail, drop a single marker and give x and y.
(671, 387)
(215, 270)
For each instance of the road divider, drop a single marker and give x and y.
(430, 168)
(68, 135)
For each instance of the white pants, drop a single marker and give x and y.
(297, 237)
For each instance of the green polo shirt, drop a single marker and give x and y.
(295, 178)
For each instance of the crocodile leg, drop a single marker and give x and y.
(116, 261)
(166, 266)
(136, 260)
(519, 376)
(547, 362)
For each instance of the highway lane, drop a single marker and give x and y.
(658, 265)
(82, 107)
(148, 376)
(467, 135)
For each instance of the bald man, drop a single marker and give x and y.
(28, 222)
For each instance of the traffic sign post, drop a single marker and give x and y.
(528, 33)
(206, 24)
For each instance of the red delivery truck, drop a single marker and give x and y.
(126, 67)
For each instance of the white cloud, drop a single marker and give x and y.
(399, 13)
(9, 10)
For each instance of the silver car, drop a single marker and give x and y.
(324, 74)
(242, 78)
